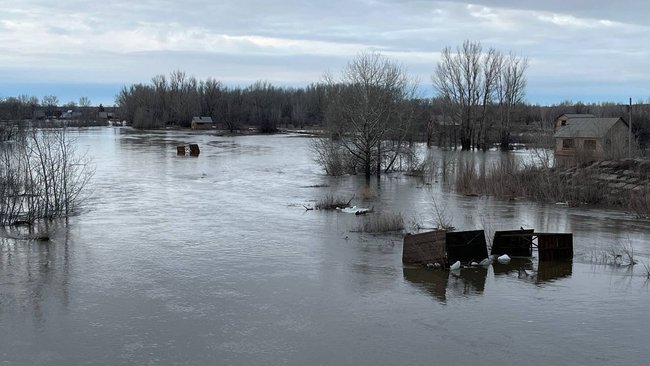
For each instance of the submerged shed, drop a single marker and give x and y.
(202, 123)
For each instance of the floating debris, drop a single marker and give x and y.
(355, 210)
(503, 258)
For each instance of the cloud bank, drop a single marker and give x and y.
(578, 50)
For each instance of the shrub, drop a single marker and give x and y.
(640, 202)
(382, 223)
(331, 202)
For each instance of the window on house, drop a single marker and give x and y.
(568, 144)
(590, 145)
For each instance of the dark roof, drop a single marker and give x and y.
(576, 115)
(202, 119)
(587, 127)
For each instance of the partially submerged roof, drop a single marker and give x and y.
(202, 119)
(587, 127)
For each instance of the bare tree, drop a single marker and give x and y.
(211, 91)
(50, 102)
(86, 110)
(470, 80)
(510, 89)
(367, 106)
(457, 79)
(492, 62)
(84, 102)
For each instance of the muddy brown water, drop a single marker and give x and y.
(214, 260)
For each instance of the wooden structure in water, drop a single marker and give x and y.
(554, 246)
(466, 246)
(515, 243)
(520, 243)
(194, 150)
(442, 247)
(425, 248)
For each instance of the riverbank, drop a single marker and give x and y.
(612, 183)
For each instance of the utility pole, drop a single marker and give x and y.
(629, 137)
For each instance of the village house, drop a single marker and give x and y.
(581, 138)
(71, 114)
(202, 123)
(105, 115)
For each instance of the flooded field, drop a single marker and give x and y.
(214, 260)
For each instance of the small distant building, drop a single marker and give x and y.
(105, 115)
(202, 123)
(582, 138)
(70, 114)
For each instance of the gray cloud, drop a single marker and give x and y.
(590, 48)
(628, 11)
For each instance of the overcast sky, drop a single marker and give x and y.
(589, 50)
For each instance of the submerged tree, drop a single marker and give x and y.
(368, 105)
(42, 176)
(510, 90)
(472, 83)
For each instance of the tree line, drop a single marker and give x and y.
(175, 99)
(25, 107)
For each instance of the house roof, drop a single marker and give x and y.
(587, 127)
(576, 115)
(202, 119)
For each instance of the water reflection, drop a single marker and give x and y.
(515, 266)
(433, 282)
(33, 273)
(468, 282)
(540, 273)
(552, 271)
(448, 284)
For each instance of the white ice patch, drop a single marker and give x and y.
(354, 210)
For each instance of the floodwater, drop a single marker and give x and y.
(214, 260)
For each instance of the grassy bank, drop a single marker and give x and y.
(602, 183)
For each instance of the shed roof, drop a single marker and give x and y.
(587, 127)
(202, 119)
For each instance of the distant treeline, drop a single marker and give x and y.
(174, 100)
(29, 107)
